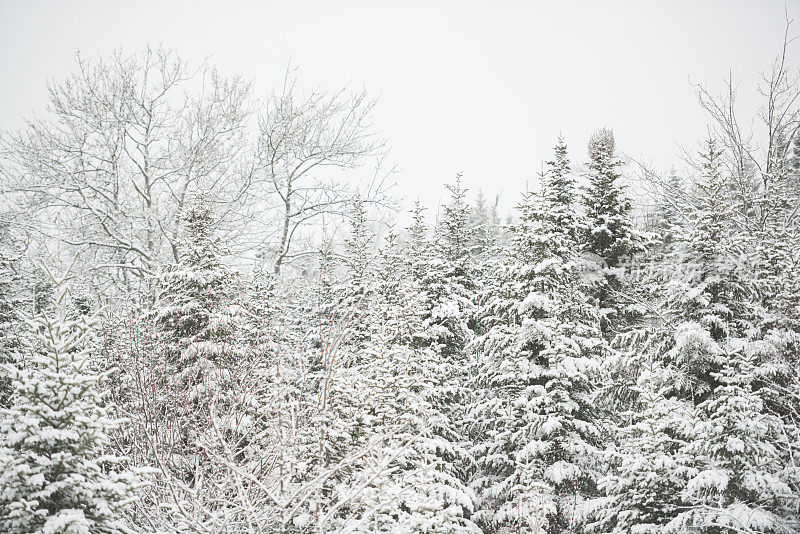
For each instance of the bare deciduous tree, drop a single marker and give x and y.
(304, 145)
(757, 155)
(126, 139)
(123, 143)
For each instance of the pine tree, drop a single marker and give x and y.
(668, 214)
(448, 287)
(194, 309)
(709, 287)
(610, 236)
(10, 303)
(55, 475)
(779, 278)
(340, 445)
(418, 246)
(777, 237)
(197, 341)
(649, 465)
(263, 308)
(558, 188)
(540, 345)
(450, 282)
(406, 378)
(739, 486)
(485, 231)
(355, 293)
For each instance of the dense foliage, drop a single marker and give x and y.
(586, 368)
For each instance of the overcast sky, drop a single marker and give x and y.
(478, 87)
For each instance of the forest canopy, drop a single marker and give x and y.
(208, 325)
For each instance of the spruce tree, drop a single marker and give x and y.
(450, 283)
(55, 473)
(418, 245)
(649, 466)
(540, 345)
(485, 232)
(414, 445)
(345, 416)
(356, 291)
(610, 235)
(710, 288)
(196, 338)
(406, 378)
(740, 485)
(449, 290)
(10, 303)
(559, 192)
(194, 309)
(668, 214)
(777, 238)
(263, 308)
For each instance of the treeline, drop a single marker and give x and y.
(567, 371)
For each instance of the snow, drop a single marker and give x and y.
(587, 367)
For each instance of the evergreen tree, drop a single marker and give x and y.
(448, 288)
(194, 309)
(197, 341)
(558, 188)
(10, 303)
(540, 346)
(709, 287)
(779, 278)
(668, 214)
(739, 486)
(355, 294)
(777, 237)
(610, 235)
(263, 308)
(407, 377)
(418, 245)
(450, 282)
(649, 466)
(55, 474)
(342, 444)
(485, 231)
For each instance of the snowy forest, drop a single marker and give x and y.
(208, 325)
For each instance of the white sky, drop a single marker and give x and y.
(479, 87)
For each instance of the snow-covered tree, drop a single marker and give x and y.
(559, 192)
(668, 215)
(355, 291)
(10, 304)
(263, 308)
(711, 286)
(122, 201)
(194, 306)
(448, 288)
(739, 486)
(540, 346)
(418, 245)
(649, 467)
(486, 236)
(777, 239)
(196, 342)
(407, 378)
(450, 283)
(610, 235)
(561, 374)
(56, 475)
